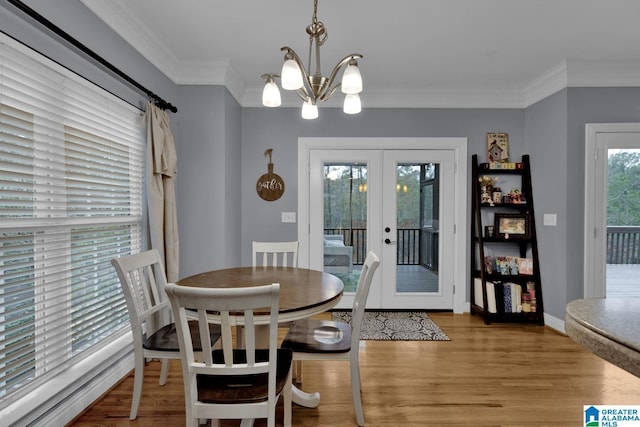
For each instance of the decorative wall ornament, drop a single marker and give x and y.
(270, 186)
(497, 147)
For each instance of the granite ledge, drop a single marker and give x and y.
(608, 327)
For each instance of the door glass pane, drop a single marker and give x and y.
(345, 221)
(623, 223)
(417, 213)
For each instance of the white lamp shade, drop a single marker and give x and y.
(271, 95)
(291, 75)
(309, 110)
(351, 79)
(352, 104)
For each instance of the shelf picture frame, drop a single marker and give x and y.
(512, 225)
(497, 147)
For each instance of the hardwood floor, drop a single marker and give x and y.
(496, 375)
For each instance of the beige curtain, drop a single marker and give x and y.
(161, 196)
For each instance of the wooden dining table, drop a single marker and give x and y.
(303, 293)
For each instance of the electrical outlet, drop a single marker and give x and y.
(288, 217)
(550, 219)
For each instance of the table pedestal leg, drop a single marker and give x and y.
(308, 400)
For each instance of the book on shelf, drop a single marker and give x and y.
(491, 295)
(515, 293)
(502, 297)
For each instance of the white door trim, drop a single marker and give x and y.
(595, 205)
(456, 144)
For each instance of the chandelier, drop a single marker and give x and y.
(315, 88)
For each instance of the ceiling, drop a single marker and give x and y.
(417, 53)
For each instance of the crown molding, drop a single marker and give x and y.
(569, 73)
(125, 23)
(554, 80)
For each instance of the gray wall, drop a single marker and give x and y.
(555, 138)
(545, 136)
(280, 129)
(221, 149)
(587, 105)
(208, 150)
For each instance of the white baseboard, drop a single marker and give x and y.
(554, 323)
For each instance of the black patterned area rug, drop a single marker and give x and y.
(395, 326)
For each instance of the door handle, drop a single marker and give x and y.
(390, 242)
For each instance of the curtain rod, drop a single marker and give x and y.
(159, 102)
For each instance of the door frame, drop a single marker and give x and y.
(595, 206)
(456, 144)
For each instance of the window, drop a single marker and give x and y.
(71, 186)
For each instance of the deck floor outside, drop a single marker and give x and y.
(623, 280)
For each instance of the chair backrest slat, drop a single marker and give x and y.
(281, 254)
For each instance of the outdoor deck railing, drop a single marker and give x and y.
(623, 245)
(407, 245)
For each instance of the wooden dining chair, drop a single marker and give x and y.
(314, 339)
(281, 254)
(232, 383)
(143, 282)
(272, 254)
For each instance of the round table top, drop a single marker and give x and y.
(301, 289)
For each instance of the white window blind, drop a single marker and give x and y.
(71, 185)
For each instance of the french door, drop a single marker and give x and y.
(399, 203)
(417, 262)
(603, 140)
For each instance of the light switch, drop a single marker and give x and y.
(550, 219)
(288, 217)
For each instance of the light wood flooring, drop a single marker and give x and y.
(495, 375)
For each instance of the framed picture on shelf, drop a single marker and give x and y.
(507, 265)
(497, 147)
(525, 265)
(512, 225)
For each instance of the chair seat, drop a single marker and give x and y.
(243, 388)
(318, 336)
(166, 338)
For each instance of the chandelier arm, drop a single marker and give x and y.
(307, 85)
(329, 93)
(302, 94)
(337, 69)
